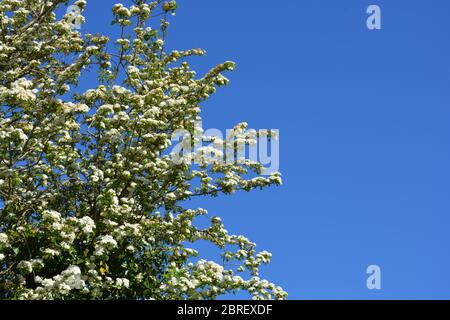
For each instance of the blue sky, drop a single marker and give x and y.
(364, 136)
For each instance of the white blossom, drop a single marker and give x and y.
(25, 266)
(3, 239)
(87, 224)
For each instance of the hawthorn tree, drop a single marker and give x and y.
(92, 206)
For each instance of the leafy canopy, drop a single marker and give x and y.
(91, 204)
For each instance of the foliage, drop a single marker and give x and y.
(92, 206)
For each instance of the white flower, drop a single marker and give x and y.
(108, 241)
(81, 108)
(107, 108)
(3, 239)
(133, 70)
(87, 225)
(51, 215)
(171, 196)
(104, 243)
(51, 252)
(37, 264)
(48, 283)
(20, 135)
(122, 11)
(119, 89)
(122, 282)
(57, 226)
(72, 270)
(25, 266)
(21, 89)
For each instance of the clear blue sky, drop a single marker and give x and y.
(364, 130)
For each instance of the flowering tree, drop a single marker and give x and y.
(91, 202)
